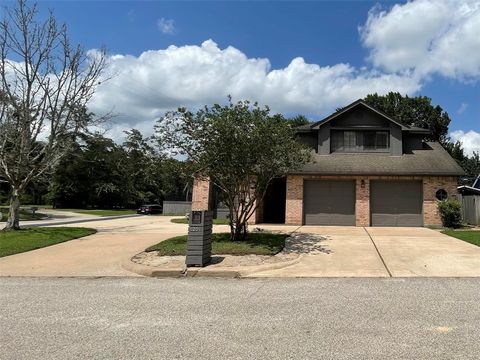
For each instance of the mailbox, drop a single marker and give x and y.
(199, 243)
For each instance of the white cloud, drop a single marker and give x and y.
(470, 140)
(166, 26)
(426, 37)
(156, 81)
(463, 107)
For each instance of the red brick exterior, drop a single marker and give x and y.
(362, 201)
(202, 199)
(294, 205)
(294, 198)
(201, 194)
(431, 184)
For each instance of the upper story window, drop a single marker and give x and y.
(360, 141)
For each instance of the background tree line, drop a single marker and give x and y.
(97, 172)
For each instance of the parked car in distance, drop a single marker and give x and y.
(150, 209)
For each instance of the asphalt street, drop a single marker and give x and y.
(146, 318)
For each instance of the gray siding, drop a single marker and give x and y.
(324, 140)
(360, 117)
(412, 142)
(395, 140)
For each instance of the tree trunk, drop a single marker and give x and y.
(239, 231)
(13, 222)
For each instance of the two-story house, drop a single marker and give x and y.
(367, 169)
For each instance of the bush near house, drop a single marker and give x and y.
(451, 213)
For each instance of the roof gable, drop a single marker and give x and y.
(353, 105)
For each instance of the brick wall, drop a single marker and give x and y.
(201, 194)
(294, 198)
(362, 201)
(431, 184)
(294, 205)
(202, 199)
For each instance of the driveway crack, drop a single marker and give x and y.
(378, 252)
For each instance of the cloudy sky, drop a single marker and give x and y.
(297, 57)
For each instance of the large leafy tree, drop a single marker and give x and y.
(417, 111)
(240, 147)
(45, 85)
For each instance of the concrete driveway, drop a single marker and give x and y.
(100, 254)
(383, 252)
(340, 252)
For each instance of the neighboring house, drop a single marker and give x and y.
(367, 169)
(470, 190)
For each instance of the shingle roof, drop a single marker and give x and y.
(432, 160)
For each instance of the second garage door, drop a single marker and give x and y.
(329, 202)
(396, 203)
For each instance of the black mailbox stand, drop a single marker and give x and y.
(199, 243)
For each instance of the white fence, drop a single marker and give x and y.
(471, 209)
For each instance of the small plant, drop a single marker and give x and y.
(451, 213)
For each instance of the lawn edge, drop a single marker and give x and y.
(94, 231)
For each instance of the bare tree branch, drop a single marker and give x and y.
(43, 95)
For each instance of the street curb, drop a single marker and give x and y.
(232, 273)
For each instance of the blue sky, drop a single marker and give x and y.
(348, 49)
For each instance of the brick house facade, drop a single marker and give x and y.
(367, 169)
(431, 216)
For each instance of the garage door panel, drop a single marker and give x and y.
(396, 203)
(329, 202)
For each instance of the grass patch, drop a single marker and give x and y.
(14, 242)
(100, 212)
(185, 221)
(471, 236)
(256, 243)
(25, 214)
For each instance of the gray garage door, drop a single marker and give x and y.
(329, 203)
(396, 203)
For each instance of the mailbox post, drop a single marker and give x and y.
(199, 243)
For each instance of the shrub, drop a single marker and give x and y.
(451, 213)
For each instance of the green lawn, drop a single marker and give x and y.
(215, 221)
(471, 236)
(25, 214)
(99, 212)
(256, 243)
(14, 242)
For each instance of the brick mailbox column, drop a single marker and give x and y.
(201, 194)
